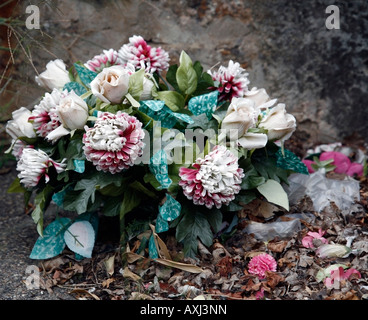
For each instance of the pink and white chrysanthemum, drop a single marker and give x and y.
(233, 81)
(18, 146)
(44, 117)
(114, 142)
(214, 181)
(138, 51)
(261, 263)
(106, 59)
(34, 164)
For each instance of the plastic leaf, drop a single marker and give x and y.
(76, 87)
(80, 238)
(274, 192)
(85, 74)
(290, 161)
(170, 210)
(205, 103)
(79, 165)
(186, 76)
(159, 167)
(52, 243)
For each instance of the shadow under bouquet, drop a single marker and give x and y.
(163, 147)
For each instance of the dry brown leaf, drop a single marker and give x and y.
(83, 292)
(179, 265)
(225, 266)
(130, 275)
(106, 283)
(277, 246)
(139, 296)
(261, 208)
(109, 265)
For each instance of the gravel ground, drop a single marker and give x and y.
(17, 237)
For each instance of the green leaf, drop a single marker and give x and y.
(171, 76)
(174, 100)
(16, 187)
(131, 200)
(41, 202)
(112, 206)
(136, 84)
(193, 226)
(275, 193)
(186, 76)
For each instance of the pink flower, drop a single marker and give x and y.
(337, 275)
(137, 51)
(309, 163)
(260, 294)
(308, 240)
(233, 81)
(258, 265)
(114, 142)
(341, 161)
(355, 169)
(214, 180)
(106, 59)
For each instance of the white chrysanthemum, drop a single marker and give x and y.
(44, 117)
(138, 51)
(114, 142)
(214, 180)
(34, 164)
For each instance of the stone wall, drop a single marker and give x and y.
(320, 74)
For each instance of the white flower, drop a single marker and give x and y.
(214, 181)
(260, 98)
(55, 75)
(19, 125)
(34, 164)
(252, 140)
(279, 123)
(72, 111)
(241, 115)
(44, 117)
(111, 84)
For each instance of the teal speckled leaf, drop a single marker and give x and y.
(290, 162)
(153, 253)
(52, 243)
(85, 74)
(76, 87)
(79, 165)
(170, 210)
(205, 103)
(158, 111)
(159, 167)
(161, 224)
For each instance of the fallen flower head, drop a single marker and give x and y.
(307, 241)
(339, 274)
(258, 265)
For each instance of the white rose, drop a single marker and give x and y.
(252, 140)
(279, 123)
(55, 75)
(241, 115)
(260, 98)
(111, 84)
(72, 111)
(19, 125)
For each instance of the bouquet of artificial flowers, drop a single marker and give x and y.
(161, 146)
